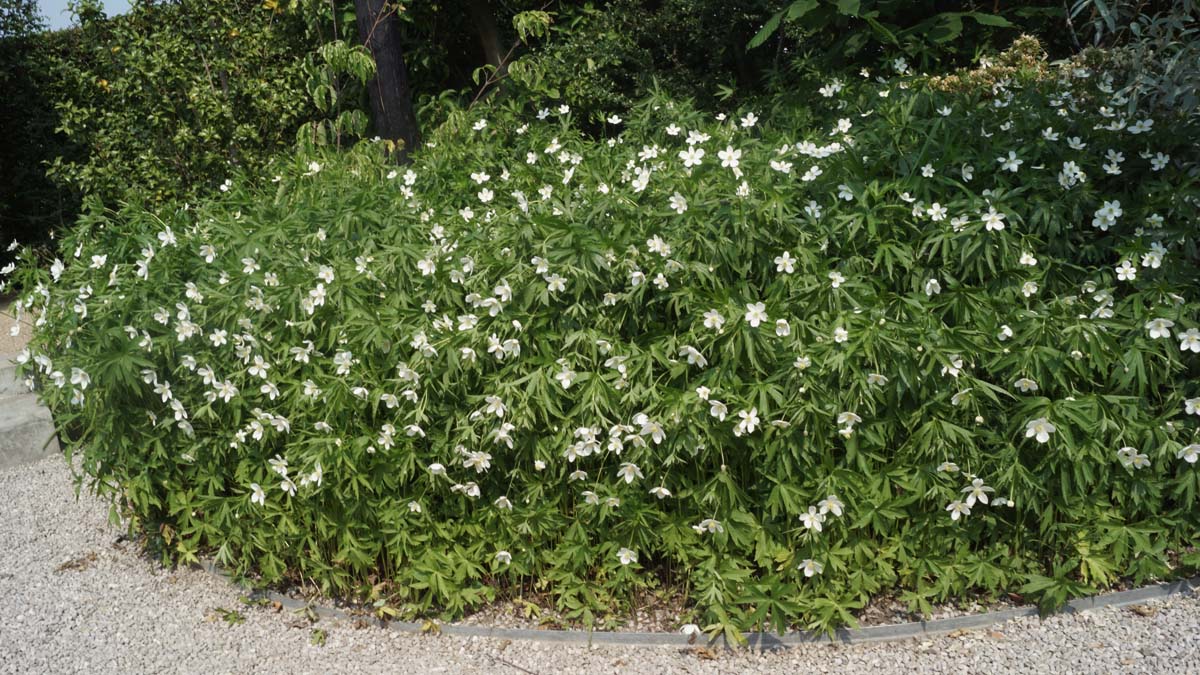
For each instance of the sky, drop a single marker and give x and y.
(57, 15)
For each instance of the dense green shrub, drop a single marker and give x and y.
(936, 343)
(1154, 52)
(171, 97)
(31, 205)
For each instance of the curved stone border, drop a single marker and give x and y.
(884, 633)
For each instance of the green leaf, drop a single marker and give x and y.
(794, 11)
(986, 19)
(848, 7)
(881, 31)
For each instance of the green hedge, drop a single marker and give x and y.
(933, 344)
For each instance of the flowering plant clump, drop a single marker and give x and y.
(931, 343)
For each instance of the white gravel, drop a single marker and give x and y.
(121, 612)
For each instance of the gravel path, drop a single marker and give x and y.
(75, 598)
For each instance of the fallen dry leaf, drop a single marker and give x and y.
(77, 564)
(703, 653)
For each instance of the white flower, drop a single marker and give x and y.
(1140, 126)
(1026, 385)
(729, 157)
(1130, 457)
(717, 409)
(1040, 428)
(713, 320)
(993, 221)
(785, 263)
(1010, 163)
(694, 357)
(831, 504)
(836, 279)
(1189, 341)
(812, 519)
(977, 491)
(756, 313)
(478, 460)
(1126, 271)
(1106, 216)
(932, 287)
(503, 557)
(947, 467)
(840, 334)
(1191, 406)
(565, 377)
(1189, 453)
(167, 237)
(495, 406)
(691, 156)
(660, 492)
(555, 283)
(629, 472)
(811, 567)
(678, 203)
(749, 120)
(958, 509)
(709, 525)
(782, 328)
(748, 422)
(258, 496)
(1159, 328)
(627, 556)
(427, 266)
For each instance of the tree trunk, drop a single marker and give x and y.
(485, 25)
(392, 113)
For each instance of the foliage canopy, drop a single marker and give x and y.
(906, 338)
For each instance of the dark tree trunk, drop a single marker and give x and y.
(485, 25)
(392, 113)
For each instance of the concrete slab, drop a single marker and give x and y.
(10, 384)
(26, 431)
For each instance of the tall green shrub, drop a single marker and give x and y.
(172, 98)
(31, 205)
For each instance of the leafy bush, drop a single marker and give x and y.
(933, 343)
(171, 95)
(31, 205)
(1155, 55)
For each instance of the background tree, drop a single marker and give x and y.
(389, 91)
(31, 206)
